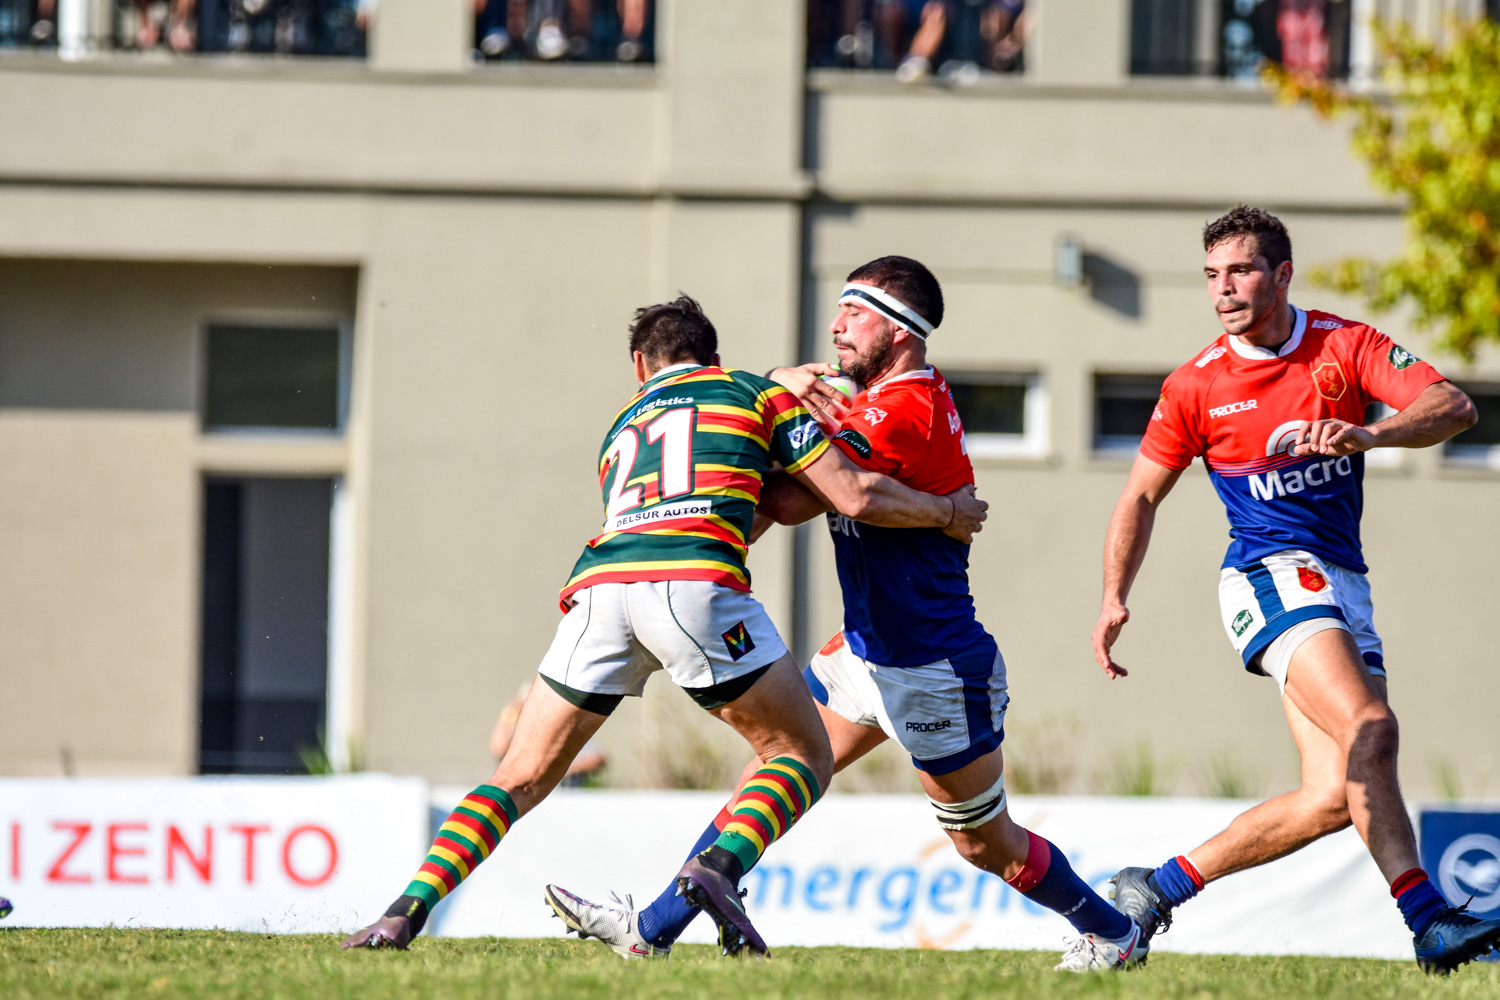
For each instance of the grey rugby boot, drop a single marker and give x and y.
(1135, 893)
(387, 932)
(712, 892)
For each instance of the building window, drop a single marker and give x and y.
(1386, 458)
(1236, 38)
(1480, 444)
(956, 42)
(1004, 413)
(1122, 410)
(565, 31)
(275, 378)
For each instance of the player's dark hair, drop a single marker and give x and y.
(1271, 238)
(669, 333)
(908, 280)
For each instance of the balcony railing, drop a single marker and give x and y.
(956, 40)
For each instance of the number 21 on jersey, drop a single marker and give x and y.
(674, 431)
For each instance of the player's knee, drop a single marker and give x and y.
(1330, 812)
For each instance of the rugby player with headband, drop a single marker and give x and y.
(911, 663)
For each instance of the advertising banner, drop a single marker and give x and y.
(877, 870)
(1461, 851)
(280, 855)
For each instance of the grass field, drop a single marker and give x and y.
(117, 963)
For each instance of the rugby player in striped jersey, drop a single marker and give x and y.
(664, 587)
(911, 662)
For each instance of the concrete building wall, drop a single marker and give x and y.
(487, 233)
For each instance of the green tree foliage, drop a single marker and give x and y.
(1433, 140)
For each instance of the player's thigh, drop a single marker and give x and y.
(1324, 763)
(1330, 686)
(778, 716)
(849, 741)
(549, 733)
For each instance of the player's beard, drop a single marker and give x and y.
(866, 367)
(1253, 313)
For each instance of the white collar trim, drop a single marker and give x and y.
(681, 366)
(914, 373)
(1252, 353)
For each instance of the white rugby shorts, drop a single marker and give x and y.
(701, 633)
(944, 714)
(1272, 606)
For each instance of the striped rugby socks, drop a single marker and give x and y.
(772, 800)
(469, 835)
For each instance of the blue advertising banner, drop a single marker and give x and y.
(1461, 852)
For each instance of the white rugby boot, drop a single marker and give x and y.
(617, 926)
(1094, 953)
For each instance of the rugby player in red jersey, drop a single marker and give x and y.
(1275, 407)
(911, 663)
(664, 587)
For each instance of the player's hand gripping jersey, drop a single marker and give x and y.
(681, 473)
(1239, 407)
(906, 590)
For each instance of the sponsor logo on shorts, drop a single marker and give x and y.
(832, 645)
(855, 440)
(929, 727)
(1213, 353)
(1242, 621)
(1329, 378)
(1400, 358)
(805, 434)
(1228, 408)
(661, 512)
(737, 640)
(1311, 579)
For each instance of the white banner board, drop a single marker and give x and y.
(877, 870)
(281, 855)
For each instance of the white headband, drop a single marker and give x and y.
(887, 305)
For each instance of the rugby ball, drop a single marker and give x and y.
(843, 384)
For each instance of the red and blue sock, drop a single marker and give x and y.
(1419, 900)
(1178, 880)
(1049, 880)
(663, 922)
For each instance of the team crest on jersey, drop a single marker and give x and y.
(1242, 621)
(855, 440)
(1400, 358)
(738, 642)
(1311, 579)
(1329, 378)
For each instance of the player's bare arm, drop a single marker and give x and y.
(1125, 549)
(878, 499)
(1441, 411)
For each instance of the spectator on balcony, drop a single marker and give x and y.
(1003, 29)
(556, 29)
(973, 34)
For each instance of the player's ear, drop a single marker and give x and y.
(715, 363)
(1284, 274)
(642, 373)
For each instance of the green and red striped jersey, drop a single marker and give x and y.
(681, 474)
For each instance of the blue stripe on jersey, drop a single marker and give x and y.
(1274, 627)
(1265, 591)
